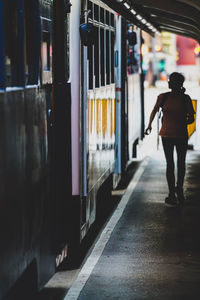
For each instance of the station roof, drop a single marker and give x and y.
(177, 16)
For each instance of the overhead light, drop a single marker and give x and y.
(143, 21)
(138, 17)
(148, 24)
(133, 11)
(127, 5)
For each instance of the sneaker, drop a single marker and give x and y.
(171, 201)
(180, 195)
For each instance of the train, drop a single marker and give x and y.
(71, 116)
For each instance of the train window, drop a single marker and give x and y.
(46, 52)
(96, 59)
(107, 57)
(22, 42)
(112, 57)
(112, 20)
(101, 15)
(90, 8)
(32, 41)
(45, 12)
(13, 25)
(96, 12)
(133, 55)
(107, 18)
(91, 72)
(102, 53)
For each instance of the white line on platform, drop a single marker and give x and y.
(92, 260)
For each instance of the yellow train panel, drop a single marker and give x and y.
(192, 127)
(98, 102)
(114, 116)
(104, 116)
(91, 114)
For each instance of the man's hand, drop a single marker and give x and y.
(148, 130)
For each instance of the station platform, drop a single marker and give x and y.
(147, 250)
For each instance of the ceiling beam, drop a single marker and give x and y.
(126, 13)
(177, 8)
(194, 3)
(179, 32)
(154, 13)
(176, 24)
(180, 15)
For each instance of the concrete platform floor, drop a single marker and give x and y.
(153, 252)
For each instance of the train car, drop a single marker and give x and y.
(35, 160)
(71, 116)
(109, 105)
(132, 104)
(97, 114)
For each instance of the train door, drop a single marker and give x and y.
(135, 99)
(124, 105)
(61, 122)
(97, 104)
(121, 148)
(118, 80)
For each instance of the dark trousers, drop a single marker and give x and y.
(181, 149)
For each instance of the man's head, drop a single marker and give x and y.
(176, 80)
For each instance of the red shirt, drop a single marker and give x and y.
(175, 109)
